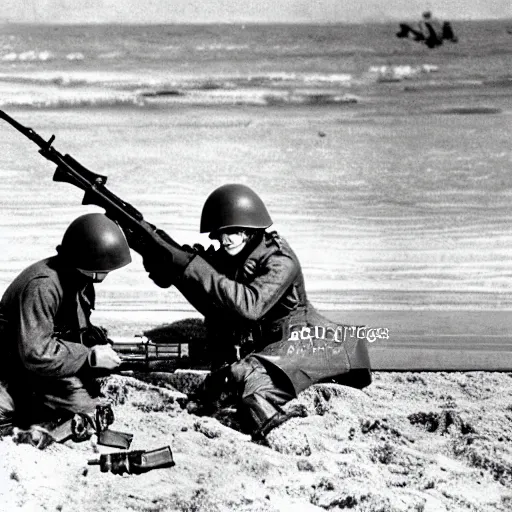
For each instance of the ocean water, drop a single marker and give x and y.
(386, 165)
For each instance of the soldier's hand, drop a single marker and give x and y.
(135, 240)
(104, 356)
(160, 269)
(197, 248)
(94, 335)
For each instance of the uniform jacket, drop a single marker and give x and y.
(43, 310)
(255, 300)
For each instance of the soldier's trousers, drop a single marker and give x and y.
(45, 400)
(261, 393)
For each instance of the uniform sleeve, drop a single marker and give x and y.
(205, 287)
(39, 350)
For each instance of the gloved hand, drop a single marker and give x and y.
(165, 262)
(135, 242)
(95, 335)
(197, 248)
(138, 240)
(159, 264)
(163, 258)
(200, 250)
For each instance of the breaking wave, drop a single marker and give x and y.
(159, 89)
(39, 56)
(135, 80)
(107, 89)
(401, 72)
(163, 98)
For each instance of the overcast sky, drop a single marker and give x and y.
(169, 11)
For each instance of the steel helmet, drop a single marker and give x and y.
(95, 243)
(234, 205)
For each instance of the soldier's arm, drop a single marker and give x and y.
(40, 351)
(205, 287)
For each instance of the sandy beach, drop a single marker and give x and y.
(410, 442)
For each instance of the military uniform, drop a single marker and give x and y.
(252, 295)
(45, 313)
(252, 303)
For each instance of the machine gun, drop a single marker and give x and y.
(142, 233)
(143, 353)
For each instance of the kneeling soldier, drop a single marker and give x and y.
(52, 353)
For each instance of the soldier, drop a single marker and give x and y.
(251, 292)
(51, 351)
(431, 29)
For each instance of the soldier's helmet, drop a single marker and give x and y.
(94, 243)
(234, 205)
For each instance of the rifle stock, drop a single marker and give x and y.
(71, 171)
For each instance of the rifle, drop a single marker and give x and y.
(71, 171)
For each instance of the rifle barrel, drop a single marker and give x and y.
(71, 171)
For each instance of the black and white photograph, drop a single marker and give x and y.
(256, 256)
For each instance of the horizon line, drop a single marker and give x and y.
(241, 22)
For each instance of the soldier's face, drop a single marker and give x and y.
(233, 240)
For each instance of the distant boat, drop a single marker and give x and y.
(433, 38)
